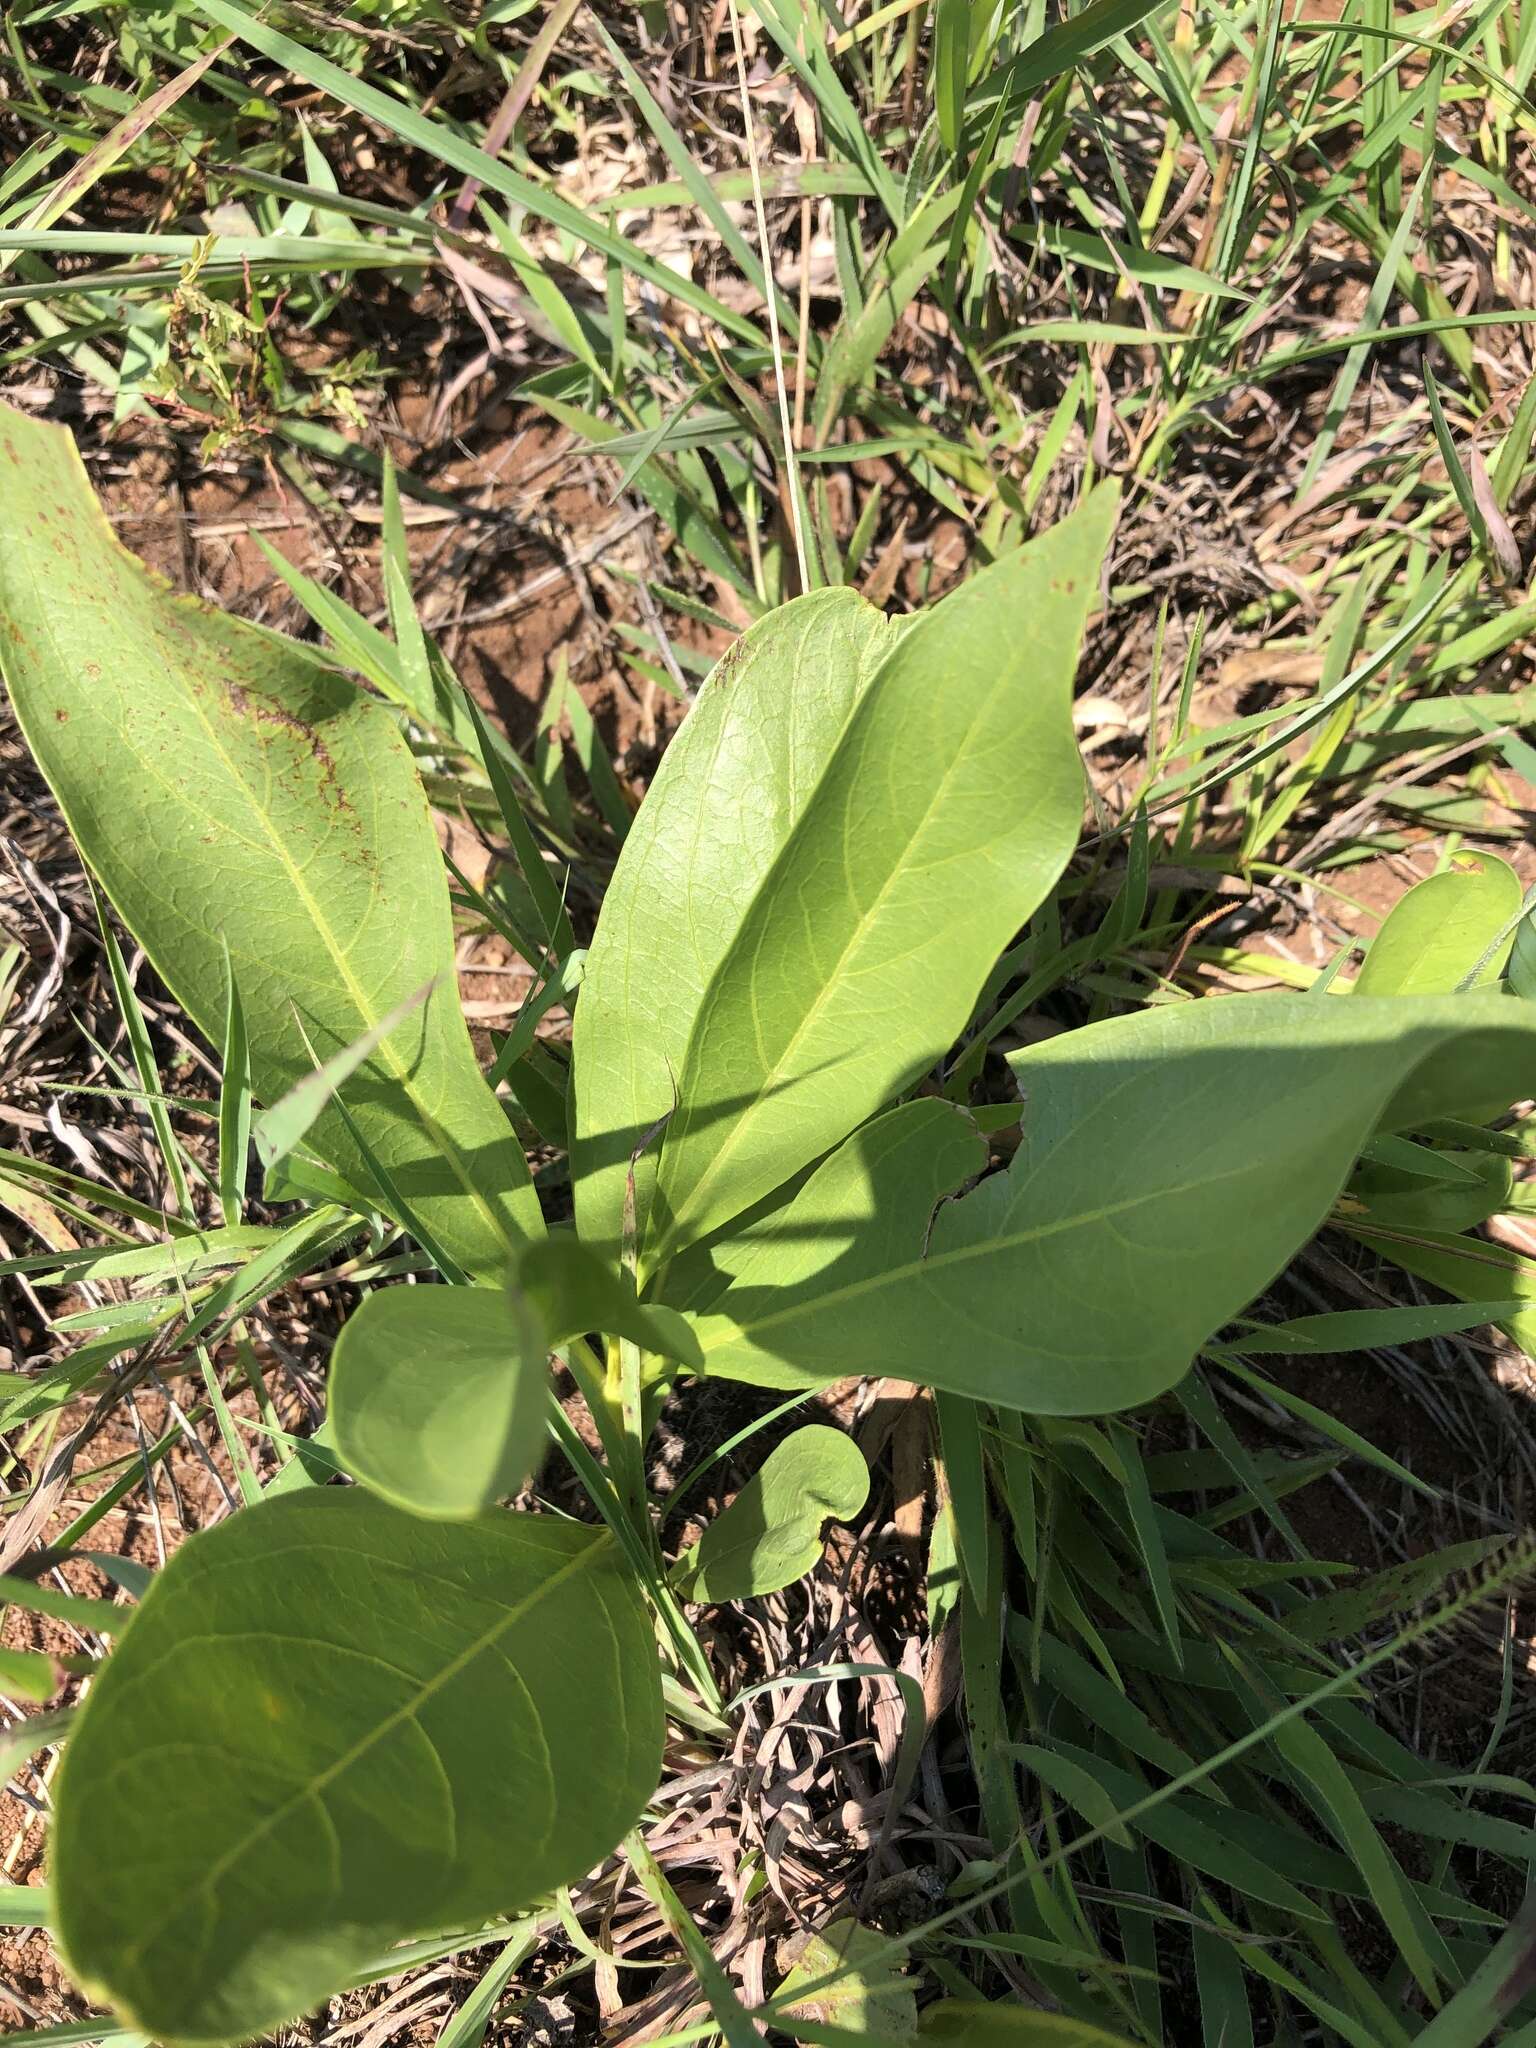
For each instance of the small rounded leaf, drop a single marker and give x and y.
(1439, 932)
(438, 1394)
(770, 1535)
(331, 1727)
(437, 1397)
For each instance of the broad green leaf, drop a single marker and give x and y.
(229, 790)
(729, 791)
(437, 1395)
(1437, 934)
(771, 1534)
(331, 1726)
(858, 1217)
(1172, 1162)
(947, 808)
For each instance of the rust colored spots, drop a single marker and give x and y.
(61, 716)
(266, 711)
(728, 663)
(91, 670)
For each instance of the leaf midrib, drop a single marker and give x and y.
(957, 1255)
(855, 938)
(643, 1107)
(209, 1877)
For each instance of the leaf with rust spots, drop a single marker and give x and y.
(231, 791)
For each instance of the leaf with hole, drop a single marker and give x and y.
(1086, 1277)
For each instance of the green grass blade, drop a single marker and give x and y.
(234, 1106)
(442, 145)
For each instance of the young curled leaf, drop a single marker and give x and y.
(576, 1291)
